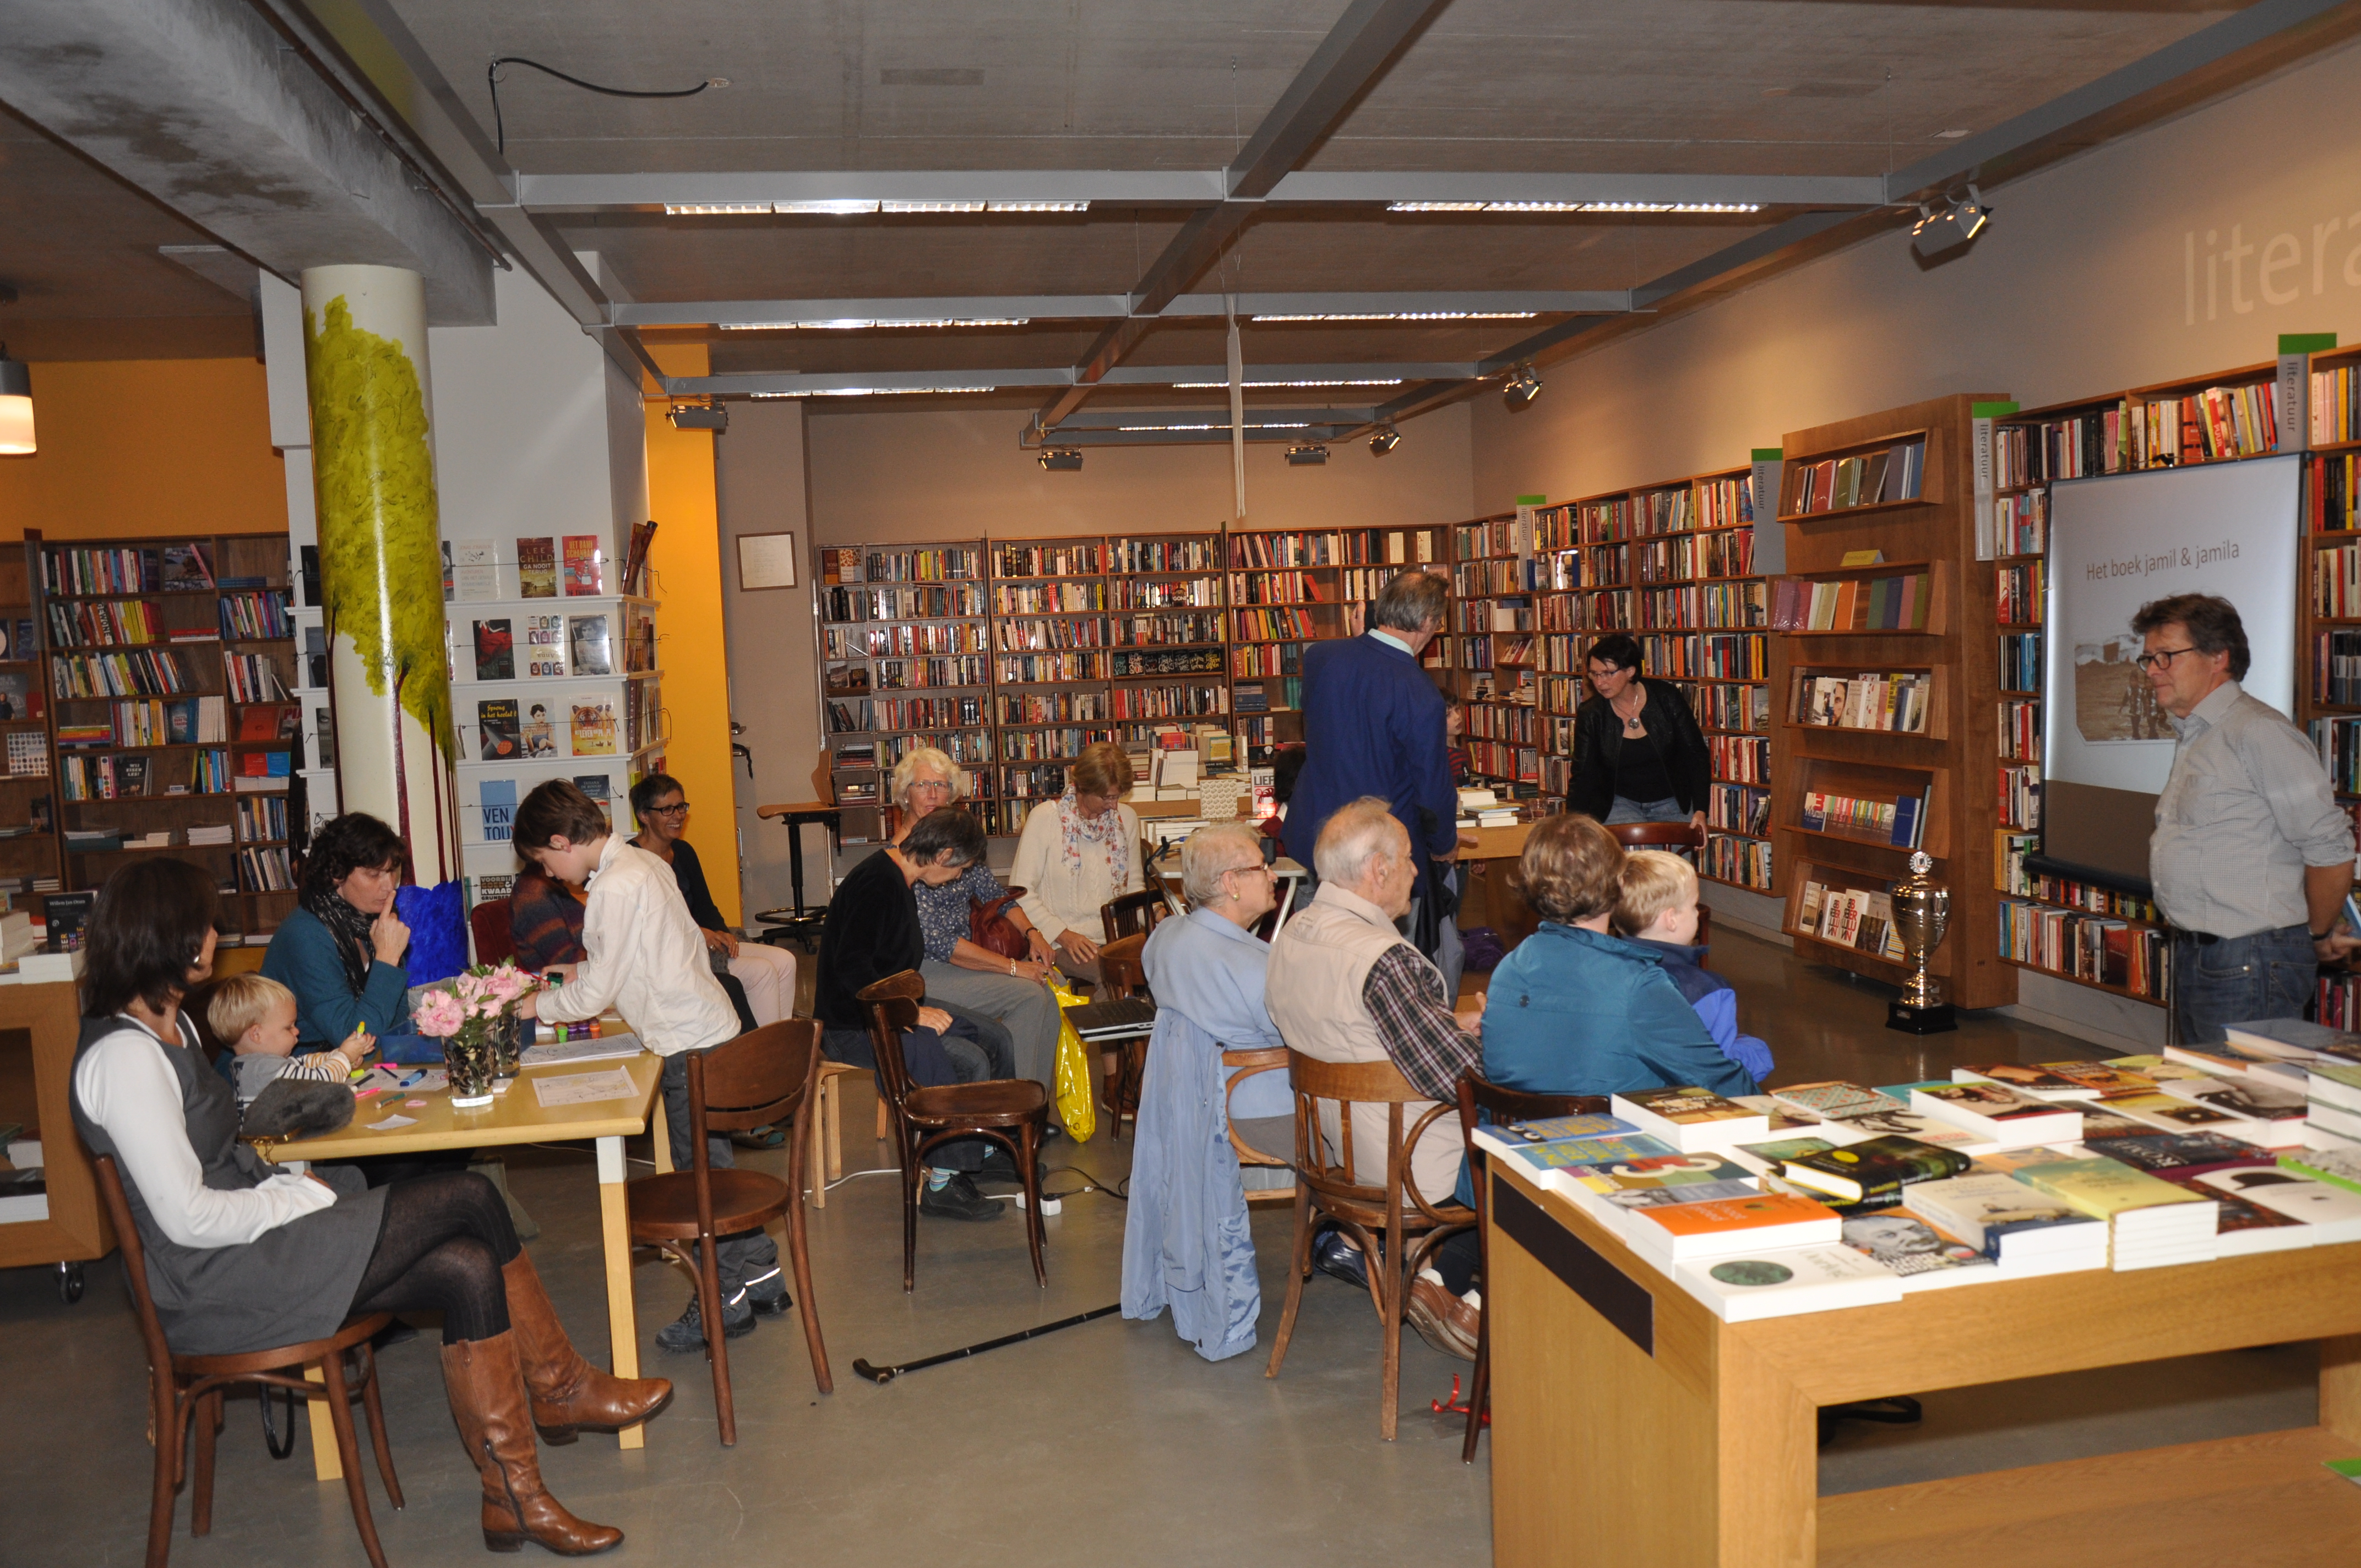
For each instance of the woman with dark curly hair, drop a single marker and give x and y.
(341, 950)
(242, 1254)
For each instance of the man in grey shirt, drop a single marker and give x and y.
(2251, 857)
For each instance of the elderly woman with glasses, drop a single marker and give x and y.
(958, 969)
(768, 973)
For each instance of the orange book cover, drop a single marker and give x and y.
(1848, 595)
(1721, 1216)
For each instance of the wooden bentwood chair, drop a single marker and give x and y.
(1240, 1065)
(759, 1080)
(1011, 1111)
(1120, 977)
(181, 1387)
(1410, 1227)
(1501, 1107)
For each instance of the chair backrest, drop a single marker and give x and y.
(1240, 1065)
(1120, 970)
(1502, 1106)
(892, 1005)
(1657, 834)
(495, 936)
(135, 1265)
(1350, 1084)
(1134, 913)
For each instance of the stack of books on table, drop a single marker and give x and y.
(2154, 1222)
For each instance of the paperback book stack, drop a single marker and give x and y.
(2154, 1222)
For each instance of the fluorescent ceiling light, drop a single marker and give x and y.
(1250, 385)
(716, 208)
(1038, 206)
(833, 206)
(1224, 425)
(1403, 316)
(930, 206)
(873, 391)
(858, 206)
(1574, 206)
(864, 323)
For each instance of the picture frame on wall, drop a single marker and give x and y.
(766, 561)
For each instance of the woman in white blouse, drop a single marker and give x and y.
(1078, 852)
(242, 1257)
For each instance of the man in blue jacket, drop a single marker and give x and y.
(1373, 724)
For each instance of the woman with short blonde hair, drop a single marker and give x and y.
(1078, 852)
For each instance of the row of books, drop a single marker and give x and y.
(1898, 821)
(849, 564)
(2218, 423)
(1893, 700)
(250, 677)
(2020, 795)
(1022, 636)
(2339, 740)
(1837, 483)
(1727, 705)
(505, 731)
(2011, 875)
(1188, 701)
(261, 818)
(1267, 659)
(140, 672)
(2020, 728)
(170, 568)
(1740, 759)
(1282, 695)
(1166, 593)
(1056, 596)
(1141, 665)
(2333, 497)
(1852, 604)
(904, 639)
(1051, 708)
(2095, 947)
(1048, 669)
(1475, 579)
(1350, 547)
(1163, 631)
(1738, 809)
(1080, 559)
(1858, 917)
(266, 870)
(1495, 760)
(2018, 593)
(111, 623)
(1743, 863)
(917, 674)
(2020, 661)
(252, 617)
(842, 607)
(856, 714)
(2335, 406)
(195, 720)
(1197, 554)
(2070, 449)
(1499, 721)
(2021, 523)
(1275, 625)
(2336, 582)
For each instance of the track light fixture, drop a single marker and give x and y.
(1523, 387)
(1960, 219)
(1062, 459)
(691, 416)
(1384, 441)
(1307, 456)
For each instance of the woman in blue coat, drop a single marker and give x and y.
(341, 951)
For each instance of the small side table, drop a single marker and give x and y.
(796, 925)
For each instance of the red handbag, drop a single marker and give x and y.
(989, 927)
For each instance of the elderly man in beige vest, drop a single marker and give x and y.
(1345, 985)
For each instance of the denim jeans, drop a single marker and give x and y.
(2271, 975)
(749, 1258)
(1666, 811)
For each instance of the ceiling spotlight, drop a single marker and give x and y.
(1307, 456)
(1384, 441)
(1960, 219)
(1523, 387)
(1061, 459)
(690, 416)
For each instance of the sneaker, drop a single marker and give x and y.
(1443, 1320)
(1336, 1257)
(761, 1138)
(686, 1332)
(956, 1200)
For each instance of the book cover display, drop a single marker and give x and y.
(539, 735)
(592, 729)
(544, 645)
(496, 720)
(587, 638)
(475, 571)
(585, 564)
(497, 800)
(495, 651)
(536, 568)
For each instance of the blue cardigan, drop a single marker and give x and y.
(303, 958)
(1572, 1011)
(1373, 724)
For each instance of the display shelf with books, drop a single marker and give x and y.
(1494, 626)
(30, 846)
(316, 745)
(1052, 667)
(1888, 598)
(168, 669)
(1168, 660)
(905, 656)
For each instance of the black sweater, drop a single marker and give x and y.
(1672, 730)
(689, 872)
(872, 932)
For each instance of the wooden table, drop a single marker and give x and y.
(33, 1090)
(517, 1116)
(1631, 1426)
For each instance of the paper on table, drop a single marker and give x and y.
(585, 1088)
(392, 1123)
(602, 1047)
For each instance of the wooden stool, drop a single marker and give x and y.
(827, 1129)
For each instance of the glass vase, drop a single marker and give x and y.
(508, 1044)
(469, 1057)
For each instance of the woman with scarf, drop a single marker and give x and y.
(341, 950)
(1078, 852)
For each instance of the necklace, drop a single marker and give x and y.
(1631, 723)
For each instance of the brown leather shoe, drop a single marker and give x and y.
(487, 1389)
(1442, 1319)
(569, 1395)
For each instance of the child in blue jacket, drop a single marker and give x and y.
(1657, 904)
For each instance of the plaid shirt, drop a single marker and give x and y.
(1404, 996)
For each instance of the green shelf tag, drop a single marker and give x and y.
(1768, 453)
(1992, 411)
(1532, 500)
(2306, 342)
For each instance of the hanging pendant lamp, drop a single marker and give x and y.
(16, 406)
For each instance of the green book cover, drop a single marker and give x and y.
(2338, 1168)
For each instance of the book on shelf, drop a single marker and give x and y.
(1751, 1284)
(1898, 821)
(1899, 603)
(496, 801)
(1999, 1114)
(496, 729)
(1896, 702)
(585, 565)
(495, 651)
(186, 570)
(1689, 1118)
(538, 736)
(588, 640)
(537, 568)
(1859, 918)
(591, 727)
(1895, 473)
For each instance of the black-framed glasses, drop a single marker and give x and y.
(2161, 658)
(678, 810)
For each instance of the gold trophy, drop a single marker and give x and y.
(1922, 910)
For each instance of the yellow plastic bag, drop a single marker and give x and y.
(1077, 1106)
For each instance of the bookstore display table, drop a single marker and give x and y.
(517, 1116)
(33, 1087)
(1631, 1426)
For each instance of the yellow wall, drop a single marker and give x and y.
(146, 446)
(687, 575)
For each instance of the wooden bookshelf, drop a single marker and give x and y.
(223, 639)
(1947, 767)
(1494, 627)
(28, 858)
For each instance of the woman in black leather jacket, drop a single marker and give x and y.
(1639, 755)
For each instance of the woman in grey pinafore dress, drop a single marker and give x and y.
(242, 1257)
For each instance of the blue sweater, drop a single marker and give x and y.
(303, 958)
(1715, 1001)
(1373, 724)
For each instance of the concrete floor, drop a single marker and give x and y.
(1110, 1440)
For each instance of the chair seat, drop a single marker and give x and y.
(664, 1208)
(280, 1357)
(998, 1100)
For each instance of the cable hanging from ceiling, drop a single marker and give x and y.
(492, 81)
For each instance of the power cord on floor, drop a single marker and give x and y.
(1121, 1190)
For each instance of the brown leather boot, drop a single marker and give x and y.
(487, 1399)
(569, 1395)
